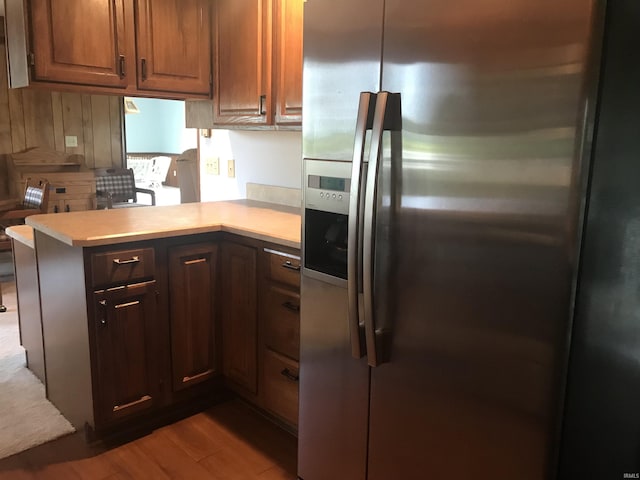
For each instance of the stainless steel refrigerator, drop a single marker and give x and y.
(445, 147)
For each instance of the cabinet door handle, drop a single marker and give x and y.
(263, 98)
(291, 266)
(123, 63)
(128, 304)
(291, 306)
(291, 376)
(134, 259)
(132, 404)
(193, 262)
(103, 317)
(195, 377)
(143, 67)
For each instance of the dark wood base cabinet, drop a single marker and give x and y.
(192, 286)
(261, 325)
(127, 346)
(136, 331)
(280, 333)
(239, 327)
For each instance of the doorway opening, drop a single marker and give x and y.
(155, 139)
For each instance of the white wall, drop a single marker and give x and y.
(266, 157)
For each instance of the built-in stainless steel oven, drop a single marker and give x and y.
(327, 185)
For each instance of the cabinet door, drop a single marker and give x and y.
(239, 324)
(76, 41)
(242, 62)
(126, 351)
(192, 273)
(174, 46)
(288, 61)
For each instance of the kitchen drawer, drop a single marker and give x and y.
(284, 267)
(282, 321)
(123, 266)
(281, 386)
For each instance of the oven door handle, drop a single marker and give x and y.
(364, 122)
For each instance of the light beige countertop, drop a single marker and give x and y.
(262, 221)
(22, 234)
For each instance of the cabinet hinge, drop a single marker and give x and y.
(31, 59)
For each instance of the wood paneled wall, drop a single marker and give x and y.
(42, 118)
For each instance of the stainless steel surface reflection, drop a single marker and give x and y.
(334, 388)
(342, 47)
(474, 217)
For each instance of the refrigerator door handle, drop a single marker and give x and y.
(354, 242)
(387, 117)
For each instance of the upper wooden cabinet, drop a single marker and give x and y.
(82, 42)
(145, 47)
(174, 45)
(242, 61)
(288, 61)
(257, 65)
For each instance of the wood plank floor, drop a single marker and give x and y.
(227, 442)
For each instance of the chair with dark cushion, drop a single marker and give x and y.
(116, 188)
(34, 201)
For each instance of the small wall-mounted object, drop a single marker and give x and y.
(12, 11)
(205, 132)
(212, 166)
(130, 105)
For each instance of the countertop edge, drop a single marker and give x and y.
(22, 234)
(261, 236)
(172, 231)
(118, 239)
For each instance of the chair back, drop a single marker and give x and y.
(118, 182)
(36, 196)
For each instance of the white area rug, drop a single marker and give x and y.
(27, 418)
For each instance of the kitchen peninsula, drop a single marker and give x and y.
(149, 310)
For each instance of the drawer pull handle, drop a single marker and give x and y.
(128, 304)
(291, 376)
(194, 377)
(291, 306)
(135, 259)
(291, 266)
(117, 408)
(192, 262)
